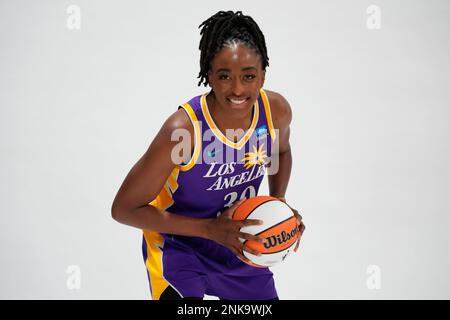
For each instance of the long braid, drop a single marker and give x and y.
(222, 28)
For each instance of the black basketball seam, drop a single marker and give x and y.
(279, 250)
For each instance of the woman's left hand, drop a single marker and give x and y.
(300, 225)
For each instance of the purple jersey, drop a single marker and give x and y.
(219, 173)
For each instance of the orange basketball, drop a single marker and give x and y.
(279, 228)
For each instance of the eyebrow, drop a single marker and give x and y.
(243, 69)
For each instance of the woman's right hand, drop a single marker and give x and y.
(226, 231)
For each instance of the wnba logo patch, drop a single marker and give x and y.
(261, 131)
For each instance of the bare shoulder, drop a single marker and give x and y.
(280, 109)
(178, 120)
(169, 135)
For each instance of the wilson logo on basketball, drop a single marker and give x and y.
(280, 238)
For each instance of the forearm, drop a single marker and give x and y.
(154, 219)
(278, 182)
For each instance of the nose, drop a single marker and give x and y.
(237, 87)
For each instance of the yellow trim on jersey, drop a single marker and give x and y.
(171, 182)
(153, 264)
(197, 138)
(155, 240)
(268, 114)
(220, 135)
(164, 198)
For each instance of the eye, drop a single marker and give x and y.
(223, 77)
(250, 77)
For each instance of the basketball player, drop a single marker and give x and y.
(191, 245)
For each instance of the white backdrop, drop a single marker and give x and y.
(369, 88)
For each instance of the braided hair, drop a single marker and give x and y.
(227, 29)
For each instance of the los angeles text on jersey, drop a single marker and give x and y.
(225, 179)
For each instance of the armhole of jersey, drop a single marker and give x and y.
(268, 114)
(197, 141)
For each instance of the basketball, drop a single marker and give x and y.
(279, 228)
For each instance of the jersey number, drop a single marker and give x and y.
(233, 195)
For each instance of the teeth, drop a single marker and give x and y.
(237, 101)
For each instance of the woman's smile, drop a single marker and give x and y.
(237, 103)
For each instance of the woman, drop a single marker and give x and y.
(183, 194)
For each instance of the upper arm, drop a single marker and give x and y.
(147, 177)
(281, 118)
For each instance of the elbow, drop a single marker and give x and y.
(115, 215)
(116, 212)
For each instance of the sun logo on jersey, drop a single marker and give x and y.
(254, 158)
